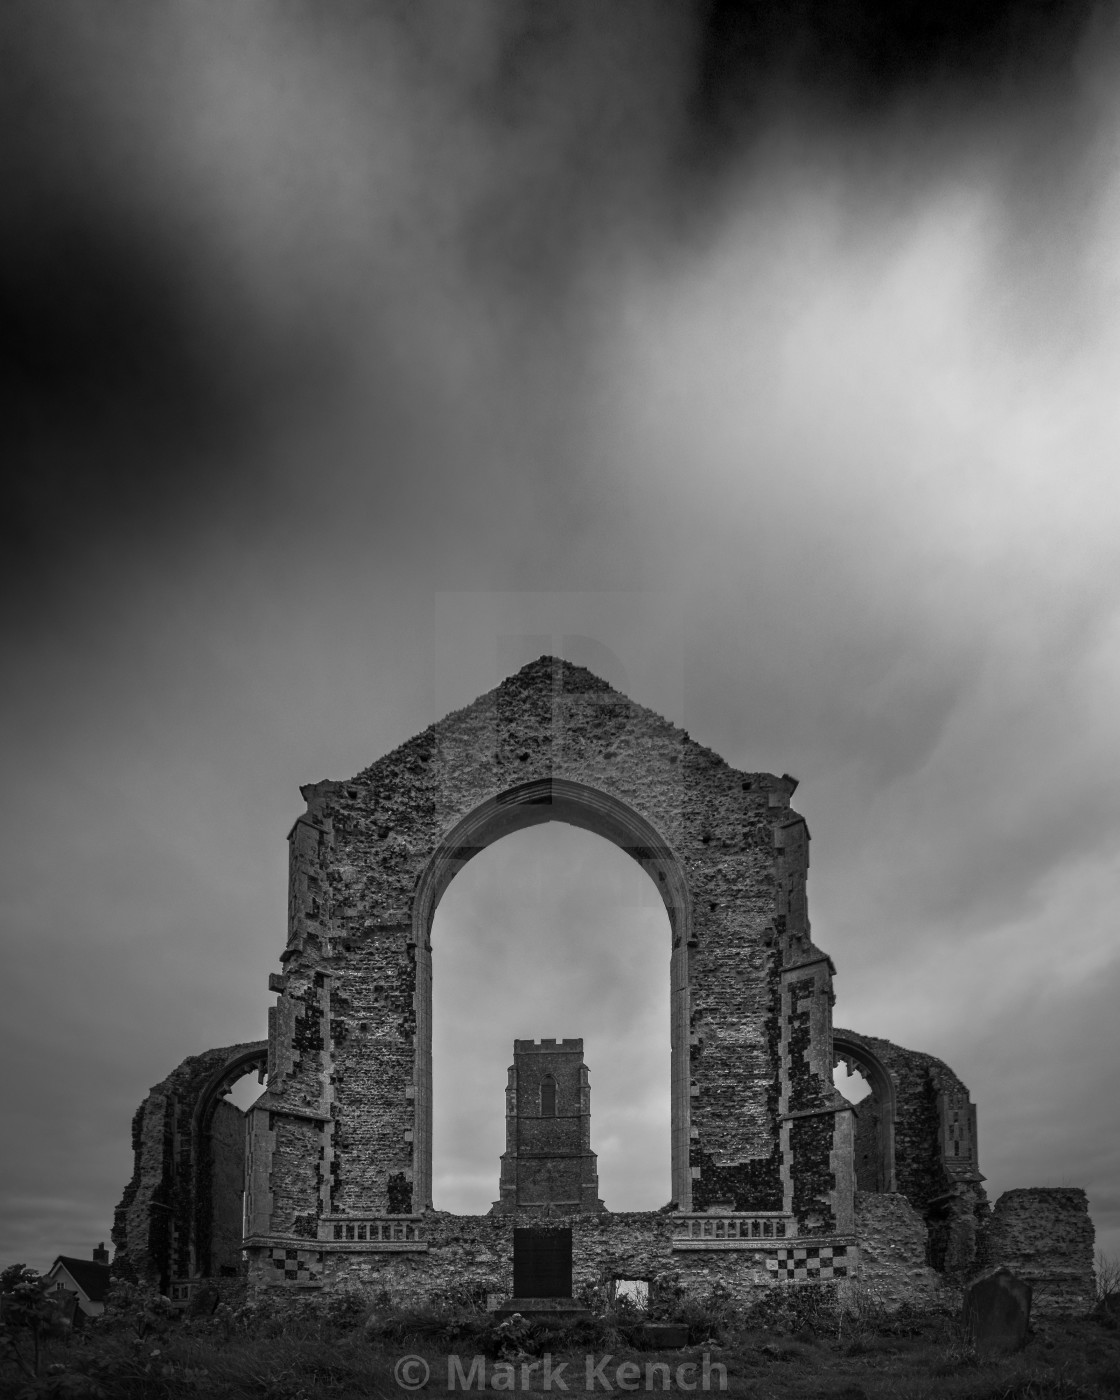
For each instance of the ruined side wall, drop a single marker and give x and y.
(892, 1245)
(154, 1226)
(933, 1130)
(919, 1079)
(1045, 1236)
(343, 1038)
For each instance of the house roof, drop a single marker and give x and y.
(92, 1278)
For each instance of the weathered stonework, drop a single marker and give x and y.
(465, 1259)
(893, 1251)
(351, 1032)
(766, 1154)
(1043, 1234)
(916, 1134)
(180, 1215)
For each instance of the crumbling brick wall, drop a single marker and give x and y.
(934, 1135)
(921, 1172)
(345, 1126)
(176, 1204)
(1045, 1236)
(893, 1251)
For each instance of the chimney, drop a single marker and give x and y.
(101, 1254)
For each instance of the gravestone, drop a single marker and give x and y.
(542, 1263)
(997, 1312)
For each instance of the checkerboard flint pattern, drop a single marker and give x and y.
(297, 1265)
(809, 1263)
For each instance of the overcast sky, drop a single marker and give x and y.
(358, 353)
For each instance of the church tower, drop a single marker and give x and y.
(548, 1167)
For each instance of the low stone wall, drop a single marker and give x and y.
(471, 1257)
(892, 1243)
(1044, 1235)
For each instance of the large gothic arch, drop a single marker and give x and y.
(345, 1126)
(578, 804)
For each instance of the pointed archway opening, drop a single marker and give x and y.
(865, 1082)
(551, 931)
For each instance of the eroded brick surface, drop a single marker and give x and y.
(175, 1218)
(930, 1118)
(1044, 1235)
(893, 1246)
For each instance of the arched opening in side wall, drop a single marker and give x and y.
(219, 1153)
(551, 932)
(865, 1082)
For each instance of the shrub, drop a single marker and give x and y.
(28, 1314)
(136, 1308)
(711, 1315)
(1107, 1277)
(810, 1307)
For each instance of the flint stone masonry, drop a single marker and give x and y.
(766, 1155)
(1043, 1234)
(469, 1257)
(916, 1134)
(180, 1215)
(893, 1248)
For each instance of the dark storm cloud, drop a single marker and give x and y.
(491, 163)
(867, 56)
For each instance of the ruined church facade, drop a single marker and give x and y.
(775, 1176)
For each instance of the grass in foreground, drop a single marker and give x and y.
(796, 1345)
